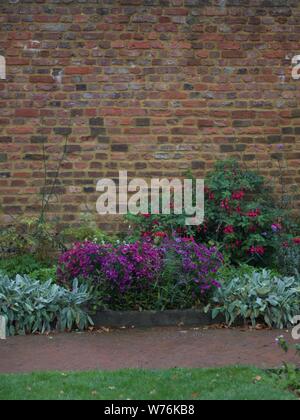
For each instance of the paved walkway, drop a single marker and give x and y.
(137, 348)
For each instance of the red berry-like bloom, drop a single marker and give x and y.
(229, 230)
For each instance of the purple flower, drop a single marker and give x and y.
(194, 262)
(276, 227)
(122, 266)
(139, 265)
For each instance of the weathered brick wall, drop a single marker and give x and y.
(152, 86)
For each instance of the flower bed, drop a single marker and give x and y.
(177, 274)
(162, 265)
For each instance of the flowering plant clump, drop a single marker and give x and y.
(190, 262)
(240, 217)
(128, 265)
(120, 265)
(177, 273)
(82, 261)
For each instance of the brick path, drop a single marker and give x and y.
(152, 348)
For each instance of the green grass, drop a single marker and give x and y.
(232, 383)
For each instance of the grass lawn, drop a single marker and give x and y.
(233, 383)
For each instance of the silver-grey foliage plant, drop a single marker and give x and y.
(260, 296)
(33, 307)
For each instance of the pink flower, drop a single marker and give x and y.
(238, 195)
(258, 250)
(225, 204)
(160, 235)
(146, 234)
(254, 213)
(229, 230)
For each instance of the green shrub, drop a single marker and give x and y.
(44, 274)
(33, 236)
(24, 264)
(87, 231)
(260, 296)
(287, 258)
(229, 272)
(241, 218)
(30, 306)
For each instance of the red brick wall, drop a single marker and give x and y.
(152, 86)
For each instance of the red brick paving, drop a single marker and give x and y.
(138, 348)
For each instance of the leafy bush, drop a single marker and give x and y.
(32, 236)
(259, 296)
(30, 306)
(87, 231)
(229, 272)
(24, 264)
(44, 274)
(287, 257)
(240, 216)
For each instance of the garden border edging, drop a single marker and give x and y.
(148, 319)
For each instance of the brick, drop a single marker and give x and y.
(95, 131)
(35, 157)
(23, 130)
(27, 113)
(233, 54)
(41, 79)
(242, 123)
(274, 139)
(16, 61)
(143, 122)
(225, 148)
(38, 139)
(197, 165)
(206, 123)
(230, 46)
(96, 121)
(243, 114)
(139, 45)
(119, 148)
(78, 70)
(62, 131)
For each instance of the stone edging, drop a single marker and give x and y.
(154, 318)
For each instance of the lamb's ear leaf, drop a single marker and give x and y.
(207, 308)
(215, 312)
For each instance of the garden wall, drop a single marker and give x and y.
(155, 87)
